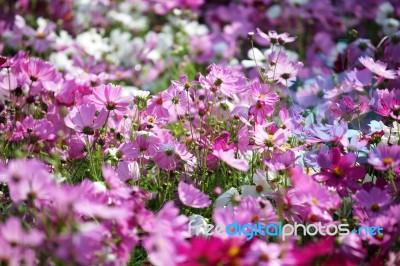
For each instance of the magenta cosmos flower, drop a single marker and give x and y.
(110, 97)
(191, 196)
(339, 171)
(387, 103)
(83, 119)
(224, 80)
(385, 157)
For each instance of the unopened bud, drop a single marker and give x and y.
(250, 35)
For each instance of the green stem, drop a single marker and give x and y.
(255, 61)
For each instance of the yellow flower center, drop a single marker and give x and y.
(263, 257)
(387, 160)
(255, 218)
(234, 251)
(337, 171)
(40, 35)
(314, 201)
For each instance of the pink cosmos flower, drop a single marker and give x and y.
(110, 97)
(265, 102)
(40, 73)
(28, 180)
(191, 196)
(176, 100)
(385, 157)
(223, 80)
(83, 119)
(378, 67)
(281, 160)
(43, 36)
(166, 235)
(226, 153)
(328, 133)
(13, 232)
(262, 253)
(347, 109)
(284, 72)
(146, 143)
(128, 171)
(34, 130)
(228, 157)
(126, 151)
(318, 199)
(171, 154)
(339, 171)
(156, 106)
(274, 38)
(268, 140)
(184, 84)
(370, 203)
(387, 103)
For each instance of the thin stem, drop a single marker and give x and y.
(91, 161)
(255, 61)
(276, 64)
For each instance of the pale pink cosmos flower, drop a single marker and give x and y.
(171, 154)
(223, 80)
(176, 100)
(14, 233)
(191, 196)
(83, 119)
(110, 97)
(228, 157)
(156, 106)
(43, 36)
(378, 67)
(146, 143)
(268, 140)
(40, 73)
(128, 171)
(275, 38)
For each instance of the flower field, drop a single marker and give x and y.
(140, 132)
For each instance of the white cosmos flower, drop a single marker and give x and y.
(226, 198)
(134, 91)
(93, 43)
(391, 133)
(261, 187)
